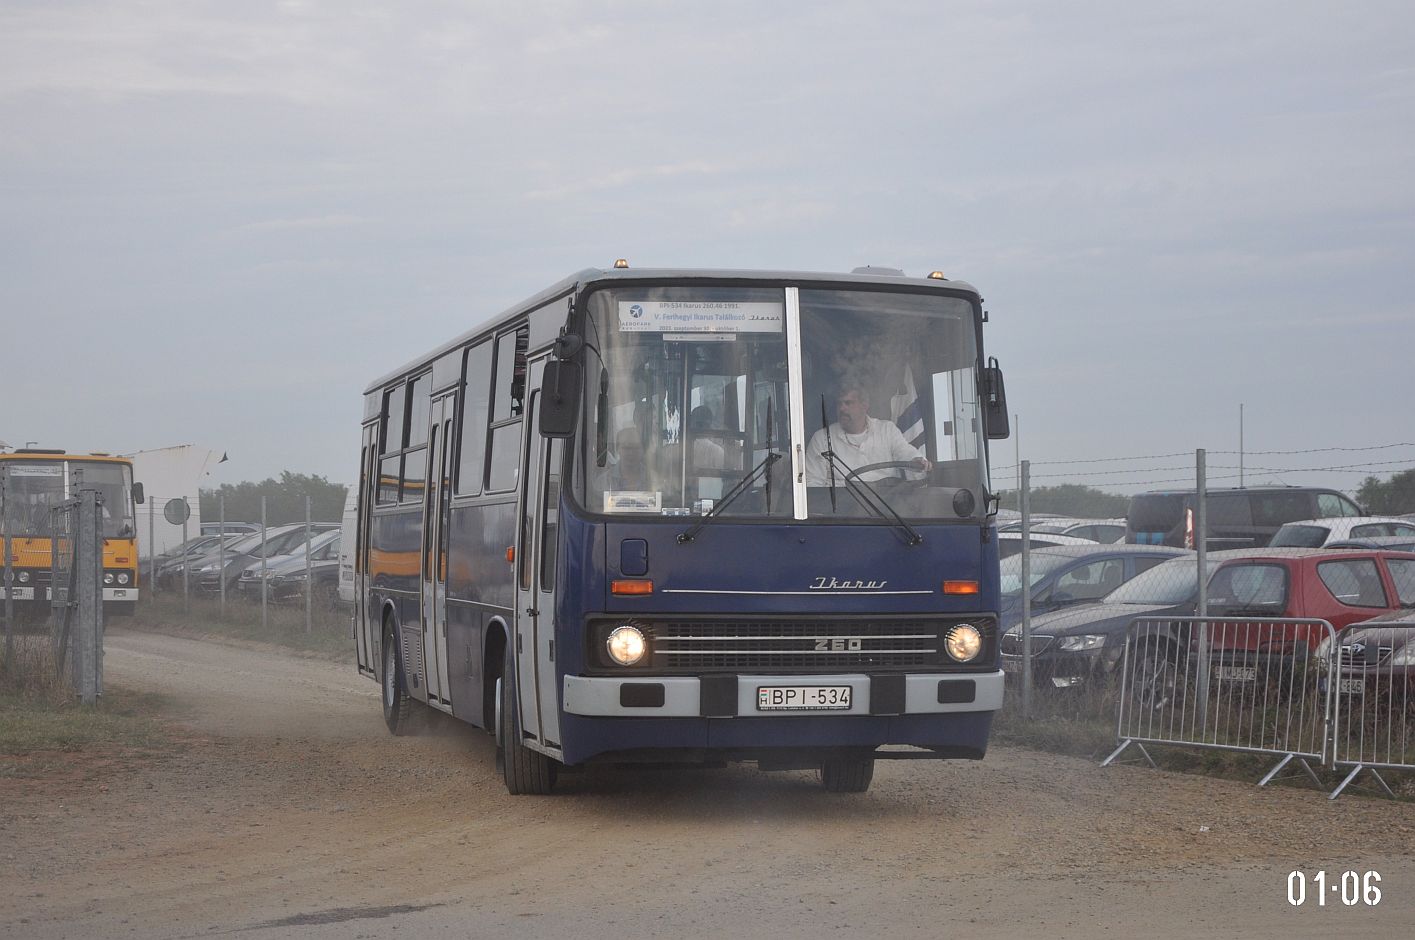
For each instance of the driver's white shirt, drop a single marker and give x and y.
(879, 442)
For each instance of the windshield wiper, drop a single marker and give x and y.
(831, 460)
(876, 503)
(736, 491)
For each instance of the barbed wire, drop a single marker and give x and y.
(1190, 453)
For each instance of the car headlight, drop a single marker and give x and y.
(626, 645)
(1405, 656)
(1082, 642)
(296, 576)
(963, 643)
(23, 577)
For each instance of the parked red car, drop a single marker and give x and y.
(1342, 587)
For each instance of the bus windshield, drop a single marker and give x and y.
(33, 488)
(692, 393)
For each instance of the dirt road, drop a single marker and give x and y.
(292, 812)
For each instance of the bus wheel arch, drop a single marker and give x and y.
(493, 660)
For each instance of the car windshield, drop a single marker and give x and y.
(1172, 582)
(1042, 565)
(693, 392)
(1300, 536)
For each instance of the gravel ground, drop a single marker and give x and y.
(287, 810)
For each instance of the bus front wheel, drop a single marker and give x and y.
(847, 774)
(525, 771)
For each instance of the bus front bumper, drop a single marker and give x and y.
(734, 696)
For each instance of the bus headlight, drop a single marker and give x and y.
(963, 642)
(626, 645)
(23, 577)
(123, 577)
(108, 577)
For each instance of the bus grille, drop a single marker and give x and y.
(796, 646)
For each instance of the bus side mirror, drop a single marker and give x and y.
(995, 417)
(137, 493)
(560, 399)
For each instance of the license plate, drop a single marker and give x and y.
(1238, 673)
(1352, 687)
(772, 698)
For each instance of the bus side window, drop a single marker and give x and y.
(508, 402)
(471, 461)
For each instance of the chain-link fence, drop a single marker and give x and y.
(290, 565)
(1212, 618)
(69, 589)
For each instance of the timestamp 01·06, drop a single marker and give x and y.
(1352, 887)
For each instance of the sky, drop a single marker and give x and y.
(219, 222)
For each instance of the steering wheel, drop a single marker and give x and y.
(887, 465)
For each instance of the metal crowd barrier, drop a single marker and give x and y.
(1372, 675)
(1251, 685)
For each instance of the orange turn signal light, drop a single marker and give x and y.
(511, 555)
(960, 587)
(631, 587)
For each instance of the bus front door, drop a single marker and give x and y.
(535, 633)
(434, 566)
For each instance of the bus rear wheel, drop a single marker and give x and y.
(847, 774)
(525, 772)
(397, 704)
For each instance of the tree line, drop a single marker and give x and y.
(284, 500)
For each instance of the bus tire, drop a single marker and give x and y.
(847, 774)
(525, 772)
(397, 704)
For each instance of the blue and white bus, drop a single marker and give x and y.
(692, 516)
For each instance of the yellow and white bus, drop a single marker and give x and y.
(34, 482)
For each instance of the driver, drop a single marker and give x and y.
(859, 440)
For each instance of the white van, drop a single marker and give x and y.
(346, 547)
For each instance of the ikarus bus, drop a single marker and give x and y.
(692, 516)
(34, 483)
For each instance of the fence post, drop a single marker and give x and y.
(152, 547)
(264, 616)
(1201, 540)
(309, 576)
(1026, 510)
(88, 559)
(8, 559)
(186, 564)
(221, 546)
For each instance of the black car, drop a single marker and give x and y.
(195, 547)
(287, 575)
(208, 573)
(1243, 517)
(1072, 646)
(1067, 575)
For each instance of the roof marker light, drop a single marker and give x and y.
(937, 275)
(621, 262)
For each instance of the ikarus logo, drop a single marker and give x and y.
(832, 584)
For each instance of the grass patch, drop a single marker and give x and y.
(330, 632)
(43, 727)
(121, 719)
